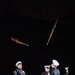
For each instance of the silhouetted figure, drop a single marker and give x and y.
(66, 71)
(19, 70)
(47, 70)
(54, 70)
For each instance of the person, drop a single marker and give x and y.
(47, 70)
(54, 70)
(19, 70)
(67, 71)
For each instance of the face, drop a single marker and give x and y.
(67, 71)
(52, 65)
(47, 69)
(20, 66)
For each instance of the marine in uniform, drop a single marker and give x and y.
(67, 71)
(47, 70)
(19, 70)
(54, 70)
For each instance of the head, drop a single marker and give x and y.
(54, 64)
(19, 64)
(47, 68)
(67, 69)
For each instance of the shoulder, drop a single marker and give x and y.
(43, 73)
(16, 70)
(56, 71)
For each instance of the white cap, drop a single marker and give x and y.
(19, 62)
(66, 68)
(55, 62)
(47, 66)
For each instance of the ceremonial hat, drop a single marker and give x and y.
(55, 62)
(17, 63)
(47, 66)
(66, 68)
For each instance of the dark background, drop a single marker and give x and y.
(31, 22)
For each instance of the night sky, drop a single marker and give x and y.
(32, 22)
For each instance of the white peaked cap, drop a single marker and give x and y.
(55, 62)
(66, 68)
(47, 66)
(19, 62)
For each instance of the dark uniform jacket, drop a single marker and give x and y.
(66, 74)
(54, 72)
(44, 73)
(19, 72)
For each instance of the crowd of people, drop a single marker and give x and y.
(53, 71)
